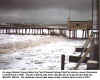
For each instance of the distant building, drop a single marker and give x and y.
(79, 24)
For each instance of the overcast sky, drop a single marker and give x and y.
(44, 11)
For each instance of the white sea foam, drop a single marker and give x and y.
(41, 57)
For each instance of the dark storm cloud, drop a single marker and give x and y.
(40, 4)
(52, 11)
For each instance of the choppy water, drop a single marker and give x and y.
(41, 57)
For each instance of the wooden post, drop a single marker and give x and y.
(25, 30)
(22, 31)
(83, 34)
(98, 23)
(62, 61)
(88, 33)
(29, 30)
(32, 30)
(48, 31)
(53, 31)
(19, 31)
(69, 34)
(42, 31)
(7, 31)
(12, 30)
(16, 31)
(3, 31)
(73, 34)
(37, 31)
(76, 34)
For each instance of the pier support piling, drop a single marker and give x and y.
(62, 61)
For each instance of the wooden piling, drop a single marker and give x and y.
(25, 31)
(37, 31)
(42, 31)
(83, 34)
(29, 31)
(62, 61)
(22, 31)
(76, 34)
(69, 34)
(32, 30)
(48, 31)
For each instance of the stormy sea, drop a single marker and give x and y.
(36, 52)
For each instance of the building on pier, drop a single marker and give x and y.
(73, 26)
(79, 24)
